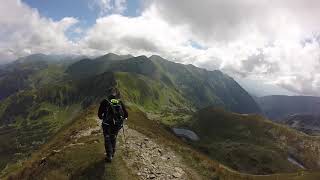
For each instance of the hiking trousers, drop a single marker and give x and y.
(110, 134)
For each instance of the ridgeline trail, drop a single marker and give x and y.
(144, 157)
(150, 152)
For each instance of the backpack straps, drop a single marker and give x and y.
(113, 102)
(113, 110)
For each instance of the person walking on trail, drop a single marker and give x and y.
(112, 112)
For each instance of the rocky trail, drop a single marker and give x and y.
(150, 160)
(144, 157)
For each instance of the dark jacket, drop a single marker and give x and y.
(105, 111)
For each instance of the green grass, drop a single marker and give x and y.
(74, 162)
(52, 74)
(201, 162)
(20, 139)
(250, 143)
(150, 95)
(85, 162)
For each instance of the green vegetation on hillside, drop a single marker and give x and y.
(26, 125)
(200, 87)
(63, 157)
(250, 143)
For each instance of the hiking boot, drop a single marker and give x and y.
(108, 159)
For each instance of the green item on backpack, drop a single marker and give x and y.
(117, 113)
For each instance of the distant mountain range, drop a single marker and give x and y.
(308, 123)
(299, 112)
(278, 107)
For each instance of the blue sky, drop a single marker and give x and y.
(83, 10)
(58, 9)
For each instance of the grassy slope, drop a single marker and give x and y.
(200, 87)
(28, 118)
(85, 161)
(27, 122)
(154, 97)
(206, 88)
(72, 162)
(52, 74)
(251, 143)
(18, 140)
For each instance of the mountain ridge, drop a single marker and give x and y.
(202, 87)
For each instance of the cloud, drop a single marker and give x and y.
(23, 31)
(231, 20)
(106, 7)
(274, 41)
(120, 6)
(145, 34)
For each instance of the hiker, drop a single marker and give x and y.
(113, 113)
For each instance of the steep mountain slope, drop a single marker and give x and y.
(205, 88)
(30, 118)
(202, 88)
(32, 71)
(253, 144)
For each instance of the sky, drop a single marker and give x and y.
(272, 41)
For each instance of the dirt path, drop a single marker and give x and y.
(144, 157)
(150, 160)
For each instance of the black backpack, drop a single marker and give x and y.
(117, 113)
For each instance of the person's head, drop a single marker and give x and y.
(113, 93)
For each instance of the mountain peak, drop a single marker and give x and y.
(113, 56)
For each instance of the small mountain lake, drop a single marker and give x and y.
(186, 133)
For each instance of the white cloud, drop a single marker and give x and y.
(120, 5)
(23, 31)
(146, 34)
(104, 6)
(108, 6)
(284, 35)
